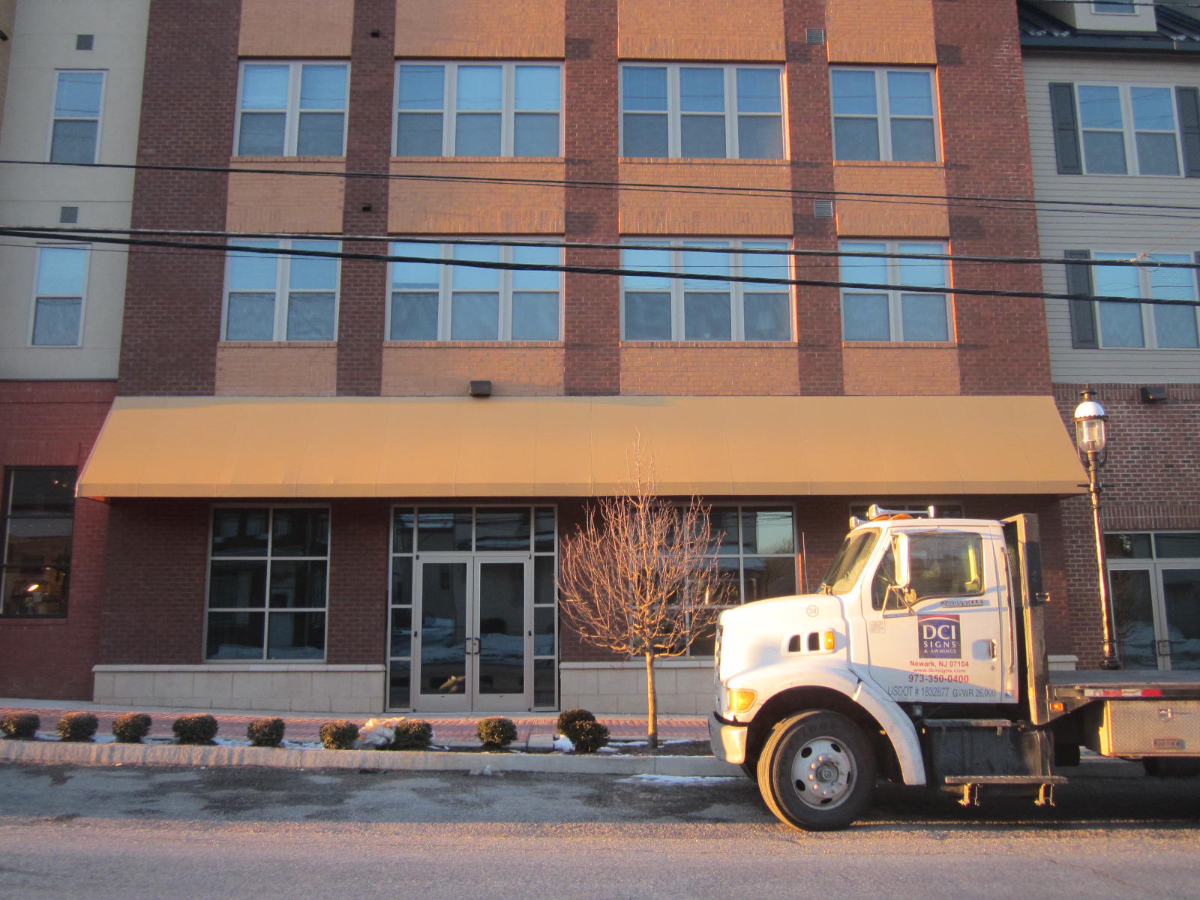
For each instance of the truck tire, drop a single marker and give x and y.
(817, 771)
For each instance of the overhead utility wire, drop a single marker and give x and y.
(607, 270)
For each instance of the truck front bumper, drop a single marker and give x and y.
(728, 739)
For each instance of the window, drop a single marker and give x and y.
(655, 308)
(1138, 325)
(75, 133)
(58, 296)
(267, 581)
(705, 112)
(39, 510)
(1155, 579)
(945, 564)
(494, 109)
(274, 297)
(890, 313)
(1113, 8)
(1128, 129)
(292, 109)
(444, 302)
(885, 114)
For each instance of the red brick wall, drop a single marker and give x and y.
(358, 581)
(55, 423)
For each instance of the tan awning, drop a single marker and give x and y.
(579, 446)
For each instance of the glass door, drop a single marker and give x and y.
(503, 601)
(1158, 616)
(442, 635)
(1180, 645)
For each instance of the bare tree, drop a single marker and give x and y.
(639, 576)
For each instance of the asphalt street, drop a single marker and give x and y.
(97, 832)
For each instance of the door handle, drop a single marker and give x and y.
(992, 648)
(469, 650)
(476, 640)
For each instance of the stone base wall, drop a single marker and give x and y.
(683, 688)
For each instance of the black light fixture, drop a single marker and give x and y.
(481, 389)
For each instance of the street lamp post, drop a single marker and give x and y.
(1092, 441)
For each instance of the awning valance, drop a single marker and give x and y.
(276, 447)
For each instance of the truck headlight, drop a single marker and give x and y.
(739, 700)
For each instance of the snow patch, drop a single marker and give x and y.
(676, 779)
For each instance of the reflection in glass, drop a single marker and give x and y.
(1181, 599)
(443, 627)
(501, 628)
(1133, 610)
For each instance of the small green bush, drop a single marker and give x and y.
(265, 732)
(496, 731)
(199, 728)
(77, 726)
(588, 737)
(20, 726)
(568, 717)
(339, 735)
(130, 728)
(412, 734)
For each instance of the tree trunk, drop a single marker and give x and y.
(651, 704)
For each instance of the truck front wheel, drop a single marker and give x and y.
(817, 771)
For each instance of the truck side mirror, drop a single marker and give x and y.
(900, 555)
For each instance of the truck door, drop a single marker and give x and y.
(942, 640)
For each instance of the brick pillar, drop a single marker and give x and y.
(592, 317)
(1002, 341)
(364, 282)
(189, 102)
(358, 588)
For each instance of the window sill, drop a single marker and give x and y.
(33, 620)
(234, 160)
(698, 160)
(888, 163)
(709, 345)
(479, 159)
(899, 345)
(276, 345)
(506, 345)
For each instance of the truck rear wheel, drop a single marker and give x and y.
(817, 771)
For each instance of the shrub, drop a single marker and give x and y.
(20, 726)
(496, 731)
(568, 717)
(200, 728)
(339, 735)
(412, 734)
(265, 732)
(130, 728)
(588, 737)
(77, 726)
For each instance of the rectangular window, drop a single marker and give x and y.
(654, 308)
(1146, 325)
(75, 133)
(59, 290)
(292, 109)
(884, 114)
(701, 112)
(1128, 129)
(900, 299)
(478, 109)
(432, 301)
(39, 511)
(277, 297)
(267, 581)
(1113, 8)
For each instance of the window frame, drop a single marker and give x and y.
(883, 115)
(446, 294)
(6, 516)
(674, 113)
(895, 298)
(291, 110)
(283, 291)
(36, 296)
(1147, 310)
(1129, 130)
(1106, 8)
(99, 118)
(677, 289)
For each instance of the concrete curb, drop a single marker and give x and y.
(59, 753)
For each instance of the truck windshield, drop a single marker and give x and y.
(849, 562)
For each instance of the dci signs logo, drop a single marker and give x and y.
(940, 637)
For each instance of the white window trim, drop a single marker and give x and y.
(737, 290)
(1149, 328)
(1129, 131)
(99, 113)
(292, 110)
(883, 115)
(446, 292)
(896, 297)
(449, 109)
(674, 112)
(266, 608)
(37, 270)
(283, 294)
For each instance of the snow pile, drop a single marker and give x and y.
(563, 744)
(378, 733)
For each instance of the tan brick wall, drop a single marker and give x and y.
(260, 202)
(716, 213)
(709, 369)
(445, 370)
(296, 28)
(447, 207)
(276, 370)
(890, 370)
(880, 31)
(890, 217)
(505, 29)
(700, 29)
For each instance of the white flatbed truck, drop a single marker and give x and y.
(922, 660)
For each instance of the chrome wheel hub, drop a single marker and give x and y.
(823, 773)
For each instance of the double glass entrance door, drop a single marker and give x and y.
(1158, 615)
